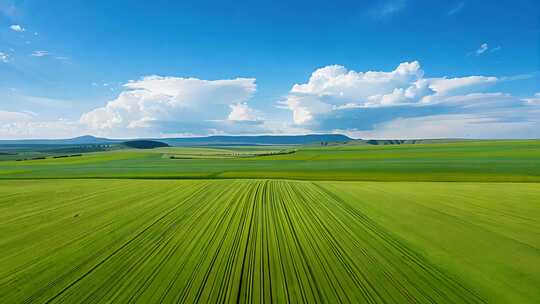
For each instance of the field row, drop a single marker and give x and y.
(94, 241)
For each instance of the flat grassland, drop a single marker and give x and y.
(433, 223)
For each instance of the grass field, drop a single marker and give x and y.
(497, 161)
(90, 241)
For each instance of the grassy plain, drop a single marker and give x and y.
(500, 161)
(146, 241)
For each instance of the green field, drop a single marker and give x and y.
(501, 161)
(425, 223)
(79, 241)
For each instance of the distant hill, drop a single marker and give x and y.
(144, 144)
(191, 141)
(256, 140)
(310, 139)
(81, 140)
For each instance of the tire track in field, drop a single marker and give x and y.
(96, 266)
(36, 259)
(160, 246)
(157, 244)
(426, 272)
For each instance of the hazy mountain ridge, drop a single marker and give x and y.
(226, 140)
(193, 141)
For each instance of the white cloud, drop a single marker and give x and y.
(40, 53)
(4, 57)
(482, 49)
(242, 112)
(305, 106)
(400, 96)
(337, 80)
(17, 28)
(334, 88)
(155, 99)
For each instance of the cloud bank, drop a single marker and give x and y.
(400, 103)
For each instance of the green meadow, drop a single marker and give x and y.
(424, 223)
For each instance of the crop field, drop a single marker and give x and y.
(495, 161)
(250, 241)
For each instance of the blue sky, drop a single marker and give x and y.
(372, 69)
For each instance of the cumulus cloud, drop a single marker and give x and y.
(242, 112)
(333, 88)
(403, 103)
(39, 53)
(183, 104)
(17, 28)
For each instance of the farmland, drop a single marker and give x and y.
(497, 161)
(259, 240)
(424, 223)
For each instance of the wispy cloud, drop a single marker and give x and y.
(485, 48)
(388, 8)
(456, 9)
(482, 49)
(40, 53)
(520, 76)
(495, 49)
